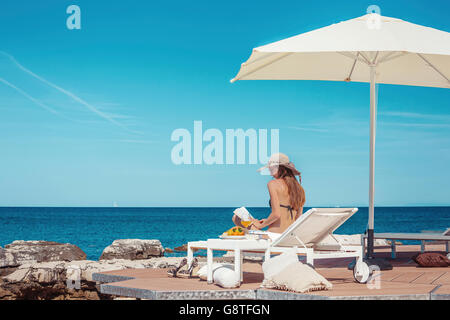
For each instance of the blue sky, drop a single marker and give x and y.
(99, 129)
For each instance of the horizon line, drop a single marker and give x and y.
(219, 207)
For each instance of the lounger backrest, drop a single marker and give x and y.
(313, 226)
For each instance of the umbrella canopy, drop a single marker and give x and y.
(371, 48)
(403, 53)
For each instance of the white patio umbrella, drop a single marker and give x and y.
(371, 48)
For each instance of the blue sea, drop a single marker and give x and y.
(93, 229)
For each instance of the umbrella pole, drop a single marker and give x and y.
(381, 264)
(373, 116)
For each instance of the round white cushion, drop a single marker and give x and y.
(226, 277)
(202, 272)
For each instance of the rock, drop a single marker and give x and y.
(7, 270)
(168, 250)
(20, 252)
(17, 276)
(132, 249)
(7, 259)
(183, 248)
(44, 270)
(48, 280)
(5, 294)
(56, 271)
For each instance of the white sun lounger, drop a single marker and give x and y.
(423, 237)
(309, 232)
(305, 234)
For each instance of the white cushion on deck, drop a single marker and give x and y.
(297, 277)
(276, 264)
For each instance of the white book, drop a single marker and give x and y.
(243, 214)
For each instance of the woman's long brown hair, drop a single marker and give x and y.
(295, 190)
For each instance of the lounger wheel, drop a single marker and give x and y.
(361, 272)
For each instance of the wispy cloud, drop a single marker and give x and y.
(415, 115)
(137, 141)
(417, 125)
(415, 120)
(71, 95)
(36, 101)
(309, 129)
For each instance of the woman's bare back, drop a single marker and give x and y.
(280, 202)
(282, 215)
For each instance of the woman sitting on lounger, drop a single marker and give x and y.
(287, 197)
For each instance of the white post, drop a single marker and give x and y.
(267, 255)
(209, 262)
(190, 255)
(310, 256)
(373, 115)
(237, 264)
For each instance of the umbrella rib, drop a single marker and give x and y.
(391, 56)
(432, 66)
(265, 56)
(365, 58)
(353, 67)
(383, 59)
(352, 56)
(375, 59)
(262, 66)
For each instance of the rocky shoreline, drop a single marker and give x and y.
(45, 270)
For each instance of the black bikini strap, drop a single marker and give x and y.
(287, 207)
(290, 210)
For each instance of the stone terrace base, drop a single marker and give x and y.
(405, 281)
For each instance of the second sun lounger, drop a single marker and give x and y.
(445, 236)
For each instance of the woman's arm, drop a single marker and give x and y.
(275, 202)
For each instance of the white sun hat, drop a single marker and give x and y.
(280, 159)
